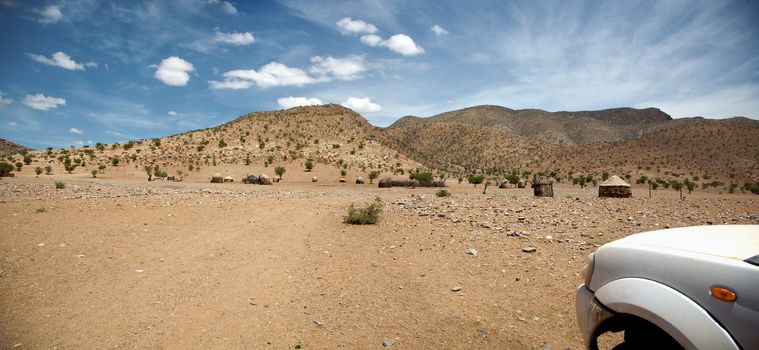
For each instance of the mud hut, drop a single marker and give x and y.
(542, 187)
(615, 187)
(228, 179)
(521, 184)
(217, 178)
(385, 183)
(314, 179)
(264, 179)
(505, 184)
(359, 180)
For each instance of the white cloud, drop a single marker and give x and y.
(114, 133)
(76, 131)
(346, 68)
(227, 7)
(438, 30)
(50, 15)
(371, 39)
(290, 102)
(362, 105)
(174, 71)
(271, 74)
(4, 101)
(173, 114)
(399, 43)
(62, 60)
(403, 44)
(42, 102)
(348, 26)
(237, 39)
(12, 124)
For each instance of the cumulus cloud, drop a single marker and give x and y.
(349, 26)
(346, 68)
(438, 30)
(62, 60)
(290, 102)
(173, 114)
(76, 131)
(42, 102)
(174, 71)
(12, 124)
(271, 74)
(371, 39)
(399, 43)
(4, 101)
(361, 105)
(237, 39)
(50, 14)
(403, 44)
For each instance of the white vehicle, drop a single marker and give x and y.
(690, 287)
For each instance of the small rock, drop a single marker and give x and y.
(139, 270)
(388, 343)
(549, 237)
(17, 345)
(456, 289)
(40, 244)
(471, 251)
(483, 330)
(529, 249)
(318, 323)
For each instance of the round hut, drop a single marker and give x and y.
(615, 187)
(521, 184)
(263, 179)
(314, 179)
(542, 187)
(359, 180)
(217, 178)
(385, 183)
(228, 179)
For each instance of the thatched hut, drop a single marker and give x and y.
(359, 180)
(615, 187)
(314, 179)
(542, 187)
(217, 178)
(264, 179)
(521, 184)
(228, 179)
(505, 184)
(342, 180)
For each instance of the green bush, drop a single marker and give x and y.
(368, 215)
(59, 185)
(476, 179)
(443, 193)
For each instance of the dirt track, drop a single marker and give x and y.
(110, 263)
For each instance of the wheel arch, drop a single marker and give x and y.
(668, 309)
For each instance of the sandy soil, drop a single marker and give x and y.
(125, 263)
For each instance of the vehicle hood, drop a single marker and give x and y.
(729, 241)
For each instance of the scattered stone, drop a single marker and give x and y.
(529, 249)
(40, 244)
(471, 251)
(456, 289)
(388, 343)
(483, 330)
(318, 323)
(139, 270)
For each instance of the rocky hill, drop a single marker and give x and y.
(567, 128)
(8, 148)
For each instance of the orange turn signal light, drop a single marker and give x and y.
(723, 294)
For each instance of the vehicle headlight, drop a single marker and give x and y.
(587, 270)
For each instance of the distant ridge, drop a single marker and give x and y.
(616, 124)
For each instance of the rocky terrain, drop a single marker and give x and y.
(232, 265)
(10, 148)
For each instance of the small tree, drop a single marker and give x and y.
(94, 173)
(476, 179)
(280, 170)
(5, 169)
(605, 175)
(115, 161)
(373, 175)
(222, 144)
(101, 167)
(149, 170)
(690, 185)
(48, 170)
(19, 165)
(677, 186)
(38, 171)
(343, 172)
(309, 165)
(27, 159)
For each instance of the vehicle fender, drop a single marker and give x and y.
(679, 316)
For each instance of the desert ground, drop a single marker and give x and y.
(126, 263)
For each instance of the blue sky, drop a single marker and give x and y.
(74, 72)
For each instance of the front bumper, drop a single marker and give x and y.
(590, 314)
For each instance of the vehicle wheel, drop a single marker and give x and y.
(644, 335)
